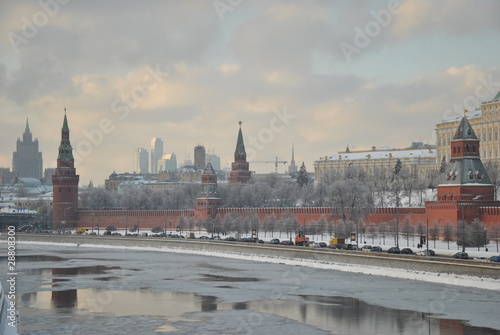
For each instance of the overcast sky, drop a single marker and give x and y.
(320, 74)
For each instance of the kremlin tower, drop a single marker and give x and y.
(208, 200)
(465, 176)
(65, 184)
(240, 172)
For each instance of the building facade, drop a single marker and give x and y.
(27, 161)
(486, 123)
(418, 158)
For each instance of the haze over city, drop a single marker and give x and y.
(321, 75)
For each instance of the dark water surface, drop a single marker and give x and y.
(82, 291)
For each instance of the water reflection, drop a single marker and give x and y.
(337, 315)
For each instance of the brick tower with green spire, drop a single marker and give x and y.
(65, 184)
(240, 172)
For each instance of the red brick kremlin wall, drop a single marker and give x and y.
(169, 219)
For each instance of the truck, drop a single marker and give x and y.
(337, 241)
(301, 239)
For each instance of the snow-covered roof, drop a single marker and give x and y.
(475, 114)
(384, 154)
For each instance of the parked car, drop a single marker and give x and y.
(286, 242)
(495, 259)
(376, 249)
(230, 238)
(407, 251)
(204, 237)
(320, 245)
(367, 248)
(394, 250)
(275, 241)
(336, 246)
(461, 255)
(116, 234)
(426, 253)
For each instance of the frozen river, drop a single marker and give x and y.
(76, 290)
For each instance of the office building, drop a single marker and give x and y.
(156, 153)
(199, 157)
(141, 161)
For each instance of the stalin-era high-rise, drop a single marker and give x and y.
(65, 184)
(27, 161)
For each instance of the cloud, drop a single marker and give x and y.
(262, 58)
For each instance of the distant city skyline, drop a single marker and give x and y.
(321, 75)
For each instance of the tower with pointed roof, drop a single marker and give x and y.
(292, 168)
(27, 161)
(208, 200)
(465, 177)
(240, 172)
(65, 184)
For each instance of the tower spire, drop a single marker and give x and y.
(240, 172)
(292, 168)
(27, 137)
(65, 148)
(240, 154)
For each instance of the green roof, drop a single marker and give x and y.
(497, 96)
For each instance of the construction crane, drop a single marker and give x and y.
(276, 162)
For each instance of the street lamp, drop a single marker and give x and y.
(463, 228)
(427, 236)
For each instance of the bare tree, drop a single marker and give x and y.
(493, 170)
(448, 233)
(322, 225)
(269, 224)
(478, 236)
(463, 234)
(494, 233)
(372, 230)
(383, 229)
(434, 232)
(407, 230)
